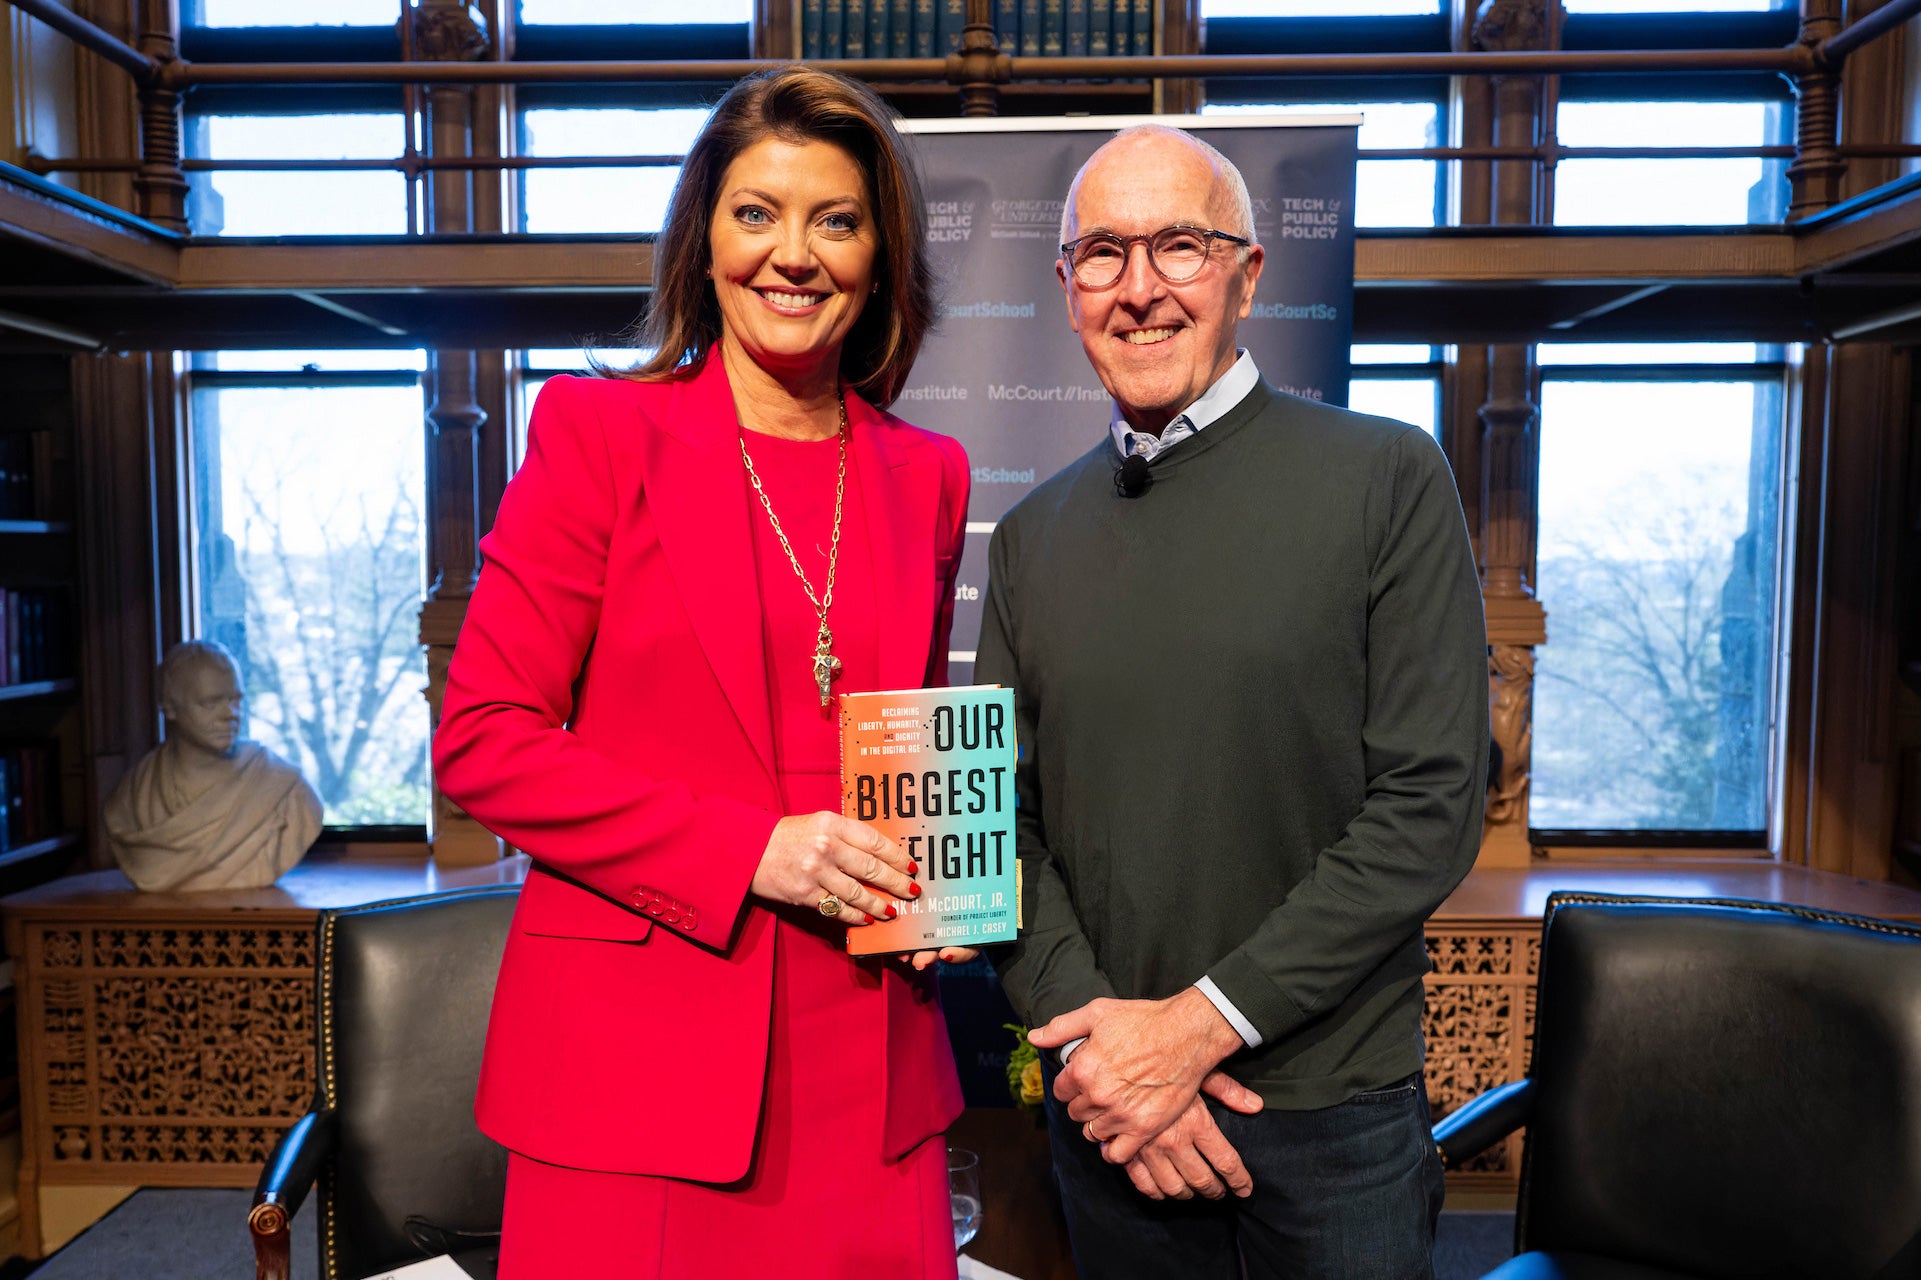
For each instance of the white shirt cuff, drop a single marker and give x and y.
(1235, 1018)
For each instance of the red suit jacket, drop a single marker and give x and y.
(606, 711)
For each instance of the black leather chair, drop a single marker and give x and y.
(404, 990)
(1718, 1089)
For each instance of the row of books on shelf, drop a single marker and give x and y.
(29, 795)
(35, 637)
(26, 471)
(932, 28)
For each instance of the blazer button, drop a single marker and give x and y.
(687, 921)
(672, 917)
(654, 908)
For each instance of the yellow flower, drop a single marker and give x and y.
(1031, 1083)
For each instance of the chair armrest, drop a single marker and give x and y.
(1483, 1121)
(284, 1182)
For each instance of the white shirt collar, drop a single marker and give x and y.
(1228, 390)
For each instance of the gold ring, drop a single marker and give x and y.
(830, 906)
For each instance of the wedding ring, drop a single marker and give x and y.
(830, 906)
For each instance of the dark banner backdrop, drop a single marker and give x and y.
(1004, 374)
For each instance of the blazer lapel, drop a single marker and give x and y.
(697, 492)
(900, 492)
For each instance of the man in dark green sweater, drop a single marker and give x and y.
(1246, 639)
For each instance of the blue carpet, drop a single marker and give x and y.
(175, 1234)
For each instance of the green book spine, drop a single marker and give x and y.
(925, 21)
(900, 34)
(953, 16)
(879, 28)
(832, 14)
(1075, 33)
(1100, 28)
(1052, 30)
(1007, 26)
(810, 13)
(1143, 28)
(1030, 28)
(853, 40)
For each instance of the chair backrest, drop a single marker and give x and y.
(1726, 1089)
(404, 992)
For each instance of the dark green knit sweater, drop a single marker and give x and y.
(1253, 708)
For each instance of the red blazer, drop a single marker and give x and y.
(606, 711)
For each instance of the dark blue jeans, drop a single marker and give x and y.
(1349, 1192)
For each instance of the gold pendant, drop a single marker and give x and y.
(826, 665)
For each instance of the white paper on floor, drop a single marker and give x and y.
(441, 1268)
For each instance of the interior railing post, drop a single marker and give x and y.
(160, 185)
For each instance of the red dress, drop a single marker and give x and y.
(821, 1200)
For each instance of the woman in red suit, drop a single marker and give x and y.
(692, 1077)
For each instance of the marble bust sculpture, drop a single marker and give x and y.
(207, 809)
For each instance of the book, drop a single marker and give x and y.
(880, 18)
(810, 15)
(1007, 26)
(1142, 28)
(924, 23)
(1100, 27)
(1051, 29)
(1030, 28)
(900, 34)
(853, 40)
(953, 18)
(1075, 28)
(832, 13)
(933, 769)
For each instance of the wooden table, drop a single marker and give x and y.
(166, 1039)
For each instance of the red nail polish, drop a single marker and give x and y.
(914, 889)
(891, 911)
(913, 868)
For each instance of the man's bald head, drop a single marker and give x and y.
(1158, 147)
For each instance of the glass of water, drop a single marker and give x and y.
(964, 1188)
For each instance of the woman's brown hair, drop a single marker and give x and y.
(796, 103)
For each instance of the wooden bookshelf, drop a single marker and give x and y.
(37, 689)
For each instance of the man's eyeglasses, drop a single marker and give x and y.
(1177, 253)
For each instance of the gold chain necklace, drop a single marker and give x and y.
(826, 665)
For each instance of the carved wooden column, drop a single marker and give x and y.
(980, 68)
(451, 31)
(160, 186)
(1510, 456)
(1814, 178)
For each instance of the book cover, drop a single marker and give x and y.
(1030, 28)
(1142, 33)
(934, 770)
(1074, 28)
(810, 12)
(900, 33)
(832, 13)
(853, 39)
(1100, 27)
(1007, 26)
(880, 19)
(1051, 29)
(953, 17)
(924, 24)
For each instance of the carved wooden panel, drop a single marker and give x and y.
(1479, 1026)
(172, 1052)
